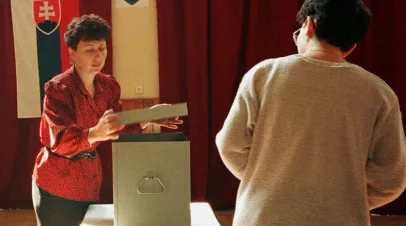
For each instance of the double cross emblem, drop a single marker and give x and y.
(47, 15)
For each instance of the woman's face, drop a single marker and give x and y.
(89, 56)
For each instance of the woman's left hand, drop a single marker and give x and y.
(168, 123)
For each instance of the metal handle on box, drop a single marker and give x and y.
(147, 180)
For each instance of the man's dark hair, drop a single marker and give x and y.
(341, 23)
(86, 28)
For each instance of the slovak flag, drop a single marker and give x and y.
(39, 46)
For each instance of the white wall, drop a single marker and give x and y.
(135, 49)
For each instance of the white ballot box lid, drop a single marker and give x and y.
(153, 114)
(103, 215)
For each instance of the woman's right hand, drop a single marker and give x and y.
(106, 129)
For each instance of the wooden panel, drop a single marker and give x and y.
(132, 104)
(138, 103)
(128, 105)
(148, 103)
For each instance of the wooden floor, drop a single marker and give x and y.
(27, 218)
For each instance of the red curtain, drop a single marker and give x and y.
(205, 47)
(19, 138)
(183, 51)
(382, 53)
(243, 33)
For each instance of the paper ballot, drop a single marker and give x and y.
(153, 114)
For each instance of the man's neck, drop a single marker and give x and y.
(324, 52)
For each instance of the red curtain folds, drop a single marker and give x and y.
(204, 49)
(243, 33)
(183, 51)
(16, 141)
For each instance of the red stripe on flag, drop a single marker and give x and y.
(69, 10)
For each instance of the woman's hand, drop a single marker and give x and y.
(106, 129)
(168, 123)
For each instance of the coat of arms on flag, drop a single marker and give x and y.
(47, 15)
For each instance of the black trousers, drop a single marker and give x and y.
(56, 211)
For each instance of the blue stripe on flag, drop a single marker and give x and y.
(49, 58)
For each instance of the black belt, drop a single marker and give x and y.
(81, 155)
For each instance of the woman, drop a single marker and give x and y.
(314, 139)
(76, 118)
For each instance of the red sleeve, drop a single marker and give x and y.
(66, 138)
(117, 106)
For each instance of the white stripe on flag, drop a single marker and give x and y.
(25, 46)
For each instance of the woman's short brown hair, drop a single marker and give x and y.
(87, 27)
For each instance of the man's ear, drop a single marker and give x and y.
(310, 29)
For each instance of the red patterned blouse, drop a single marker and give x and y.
(68, 113)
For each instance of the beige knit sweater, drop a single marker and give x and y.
(313, 143)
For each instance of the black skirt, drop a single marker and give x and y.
(56, 211)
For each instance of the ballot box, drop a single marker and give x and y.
(151, 180)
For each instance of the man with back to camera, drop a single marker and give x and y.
(314, 139)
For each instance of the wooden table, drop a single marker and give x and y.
(103, 215)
